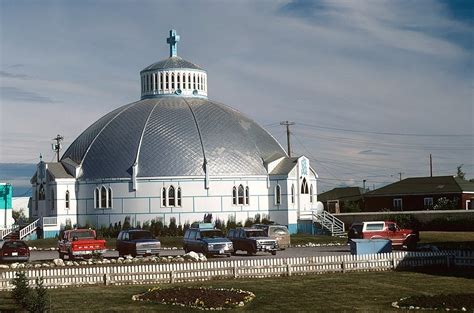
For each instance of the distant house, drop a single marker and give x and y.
(342, 200)
(422, 193)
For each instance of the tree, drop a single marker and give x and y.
(460, 173)
(19, 216)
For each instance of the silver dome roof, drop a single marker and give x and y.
(171, 63)
(172, 136)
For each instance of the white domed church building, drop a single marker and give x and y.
(173, 154)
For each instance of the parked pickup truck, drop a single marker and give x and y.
(252, 240)
(406, 238)
(80, 243)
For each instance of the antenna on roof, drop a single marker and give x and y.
(287, 124)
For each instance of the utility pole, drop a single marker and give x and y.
(287, 124)
(363, 184)
(400, 175)
(57, 146)
(431, 166)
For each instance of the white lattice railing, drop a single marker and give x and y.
(8, 230)
(156, 273)
(50, 221)
(25, 231)
(331, 223)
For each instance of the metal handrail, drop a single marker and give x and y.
(25, 231)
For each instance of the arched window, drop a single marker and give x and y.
(163, 196)
(311, 193)
(103, 197)
(247, 196)
(234, 196)
(52, 199)
(194, 81)
(155, 81)
(277, 195)
(167, 86)
(109, 198)
(97, 198)
(41, 192)
(304, 187)
(292, 193)
(66, 197)
(161, 81)
(184, 80)
(171, 196)
(178, 196)
(189, 81)
(172, 81)
(178, 78)
(241, 194)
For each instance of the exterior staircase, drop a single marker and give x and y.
(327, 221)
(17, 231)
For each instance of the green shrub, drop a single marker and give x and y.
(21, 291)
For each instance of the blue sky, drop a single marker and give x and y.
(373, 86)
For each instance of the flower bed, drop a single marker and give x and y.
(449, 302)
(198, 297)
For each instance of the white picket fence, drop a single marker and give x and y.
(119, 274)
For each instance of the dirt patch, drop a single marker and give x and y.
(462, 302)
(200, 298)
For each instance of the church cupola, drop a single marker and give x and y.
(173, 76)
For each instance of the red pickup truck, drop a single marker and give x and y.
(385, 230)
(80, 243)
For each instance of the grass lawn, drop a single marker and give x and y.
(363, 292)
(448, 240)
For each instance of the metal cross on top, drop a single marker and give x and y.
(172, 40)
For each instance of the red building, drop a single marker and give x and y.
(422, 193)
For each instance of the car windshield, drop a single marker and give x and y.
(88, 234)
(140, 235)
(211, 234)
(14, 244)
(255, 233)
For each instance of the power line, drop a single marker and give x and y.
(385, 133)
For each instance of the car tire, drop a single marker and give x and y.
(274, 252)
(234, 253)
(61, 255)
(251, 252)
(70, 255)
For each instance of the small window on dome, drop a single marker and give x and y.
(184, 80)
(194, 81)
(167, 86)
(155, 82)
(161, 81)
(178, 80)
(189, 81)
(172, 81)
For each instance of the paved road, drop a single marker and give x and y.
(290, 252)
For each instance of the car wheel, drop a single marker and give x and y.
(70, 256)
(251, 252)
(61, 255)
(274, 252)
(234, 253)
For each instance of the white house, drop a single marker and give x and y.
(173, 154)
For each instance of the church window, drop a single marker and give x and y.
(109, 198)
(149, 83)
(311, 193)
(171, 196)
(292, 193)
(41, 192)
(234, 196)
(277, 195)
(155, 81)
(97, 198)
(204, 83)
(163, 196)
(103, 197)
(194, 81)
(67, 199)
(178, 196)
(247, 195)
(184, 80)
(241, 194)
(167, 85)
(178, 78)
(52, 200)
(189, 81)
(161, 81)
(172, 81)
(304, 187)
